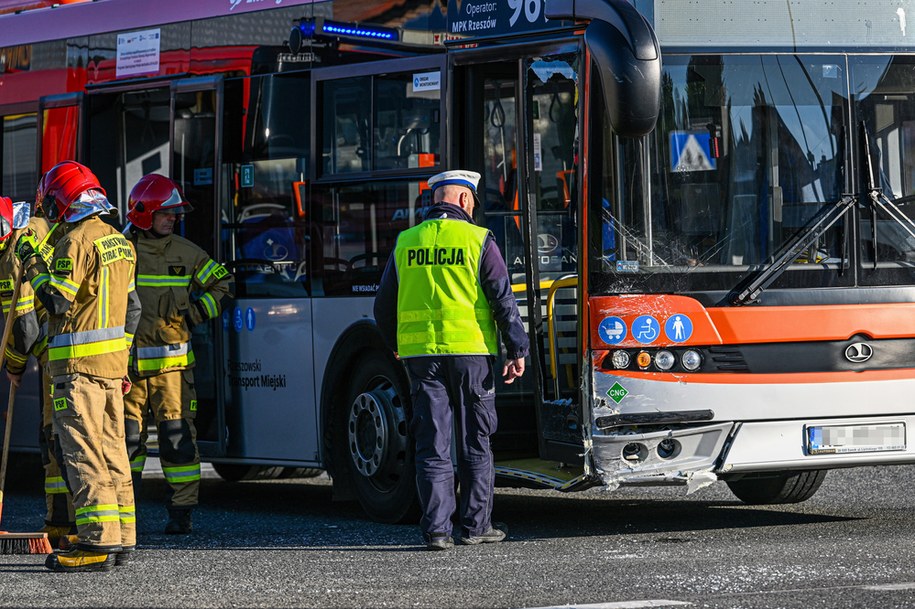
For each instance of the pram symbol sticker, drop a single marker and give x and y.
(645, 329)
(612, 330)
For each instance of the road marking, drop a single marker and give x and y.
(623, 605)
(884, 587)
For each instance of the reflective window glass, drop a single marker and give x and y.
(20, 166)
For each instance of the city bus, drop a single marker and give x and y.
(706, 215)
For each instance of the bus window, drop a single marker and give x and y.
(20, 171)
(406, 126)
(747, 151)
(885, 90)
(347, 105)
(265, 225)
(358, 229)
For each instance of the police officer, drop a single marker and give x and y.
(180, 286)
(93, 311)
(444, 293)
(29, 335)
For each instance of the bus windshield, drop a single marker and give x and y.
(747, 151)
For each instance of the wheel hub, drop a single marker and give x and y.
(368, 433)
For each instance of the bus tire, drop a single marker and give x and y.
(239, 472)
(782, 487)
(378, 448)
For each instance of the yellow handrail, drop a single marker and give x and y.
(563, 282)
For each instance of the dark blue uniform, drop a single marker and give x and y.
(461, 387)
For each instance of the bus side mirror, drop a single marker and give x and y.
(628, 58)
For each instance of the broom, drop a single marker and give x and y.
(15, 543)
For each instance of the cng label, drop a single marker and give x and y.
(617, 393)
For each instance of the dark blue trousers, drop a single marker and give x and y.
(459, 388)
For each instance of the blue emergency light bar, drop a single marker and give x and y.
(337, 29)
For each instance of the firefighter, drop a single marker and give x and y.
(93, 311)
(29, 335)
(444, 293)
(180, 286)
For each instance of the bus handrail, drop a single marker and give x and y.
(567, 281)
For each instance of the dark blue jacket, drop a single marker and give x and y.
(493, 278)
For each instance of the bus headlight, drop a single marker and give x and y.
(621, 359)
(691, 360)
(664, 360)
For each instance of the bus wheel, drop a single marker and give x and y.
(378, 445)
(781, 487)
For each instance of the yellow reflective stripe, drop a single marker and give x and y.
(64, 285)
(86, 350)
(98, 513)
(138, 463)
(16, 357)
(163, 281)
(161, 363)
(127, 513)
(54, 485)
(102, 298)
(131, 287)
(442, 314)
(182, 473)
(209, 269)
(25, 304)
(39, 280)
(209, 303)
(128, 338)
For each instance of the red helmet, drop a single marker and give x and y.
(62, 185)
(152, 193)
(6, 218)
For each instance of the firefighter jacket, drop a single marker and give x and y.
(93, 308)
(446, 289)
(29, 331)
(179, 286)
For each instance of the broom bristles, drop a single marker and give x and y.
(25, 543)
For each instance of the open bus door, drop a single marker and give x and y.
(196, 142)
(521, 132)
(172, 129)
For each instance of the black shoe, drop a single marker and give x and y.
(438, 541)
(179, 522)
(493, 535)
(79, 561)
(123, 557)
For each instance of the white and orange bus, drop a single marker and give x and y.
(716, 271)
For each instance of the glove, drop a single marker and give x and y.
(125, 386)
(26, 247)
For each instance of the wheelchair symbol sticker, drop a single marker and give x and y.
(678, 328)
(645, 329)
(612, 330)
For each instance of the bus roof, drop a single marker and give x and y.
(68, 20)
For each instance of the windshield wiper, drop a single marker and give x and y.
(879, 201)
(821, 222)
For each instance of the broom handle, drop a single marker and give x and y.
(8, 427)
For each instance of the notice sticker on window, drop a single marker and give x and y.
(538, 153)
(137, 53)
(429, 81)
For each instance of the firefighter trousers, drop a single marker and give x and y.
(88, 414)
(171, 400)
(57, 496)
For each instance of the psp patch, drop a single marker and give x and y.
(63, 266)
(220, 271)
(193, 405)
(60, 404)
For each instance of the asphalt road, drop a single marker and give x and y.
(285, 544)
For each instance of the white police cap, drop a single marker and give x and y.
(457, 177)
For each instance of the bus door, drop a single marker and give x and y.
(137, 129)
(521, 133)
(196, 138)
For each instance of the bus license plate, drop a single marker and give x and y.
(837, 439)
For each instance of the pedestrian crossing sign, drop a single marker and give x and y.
(691, 151)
